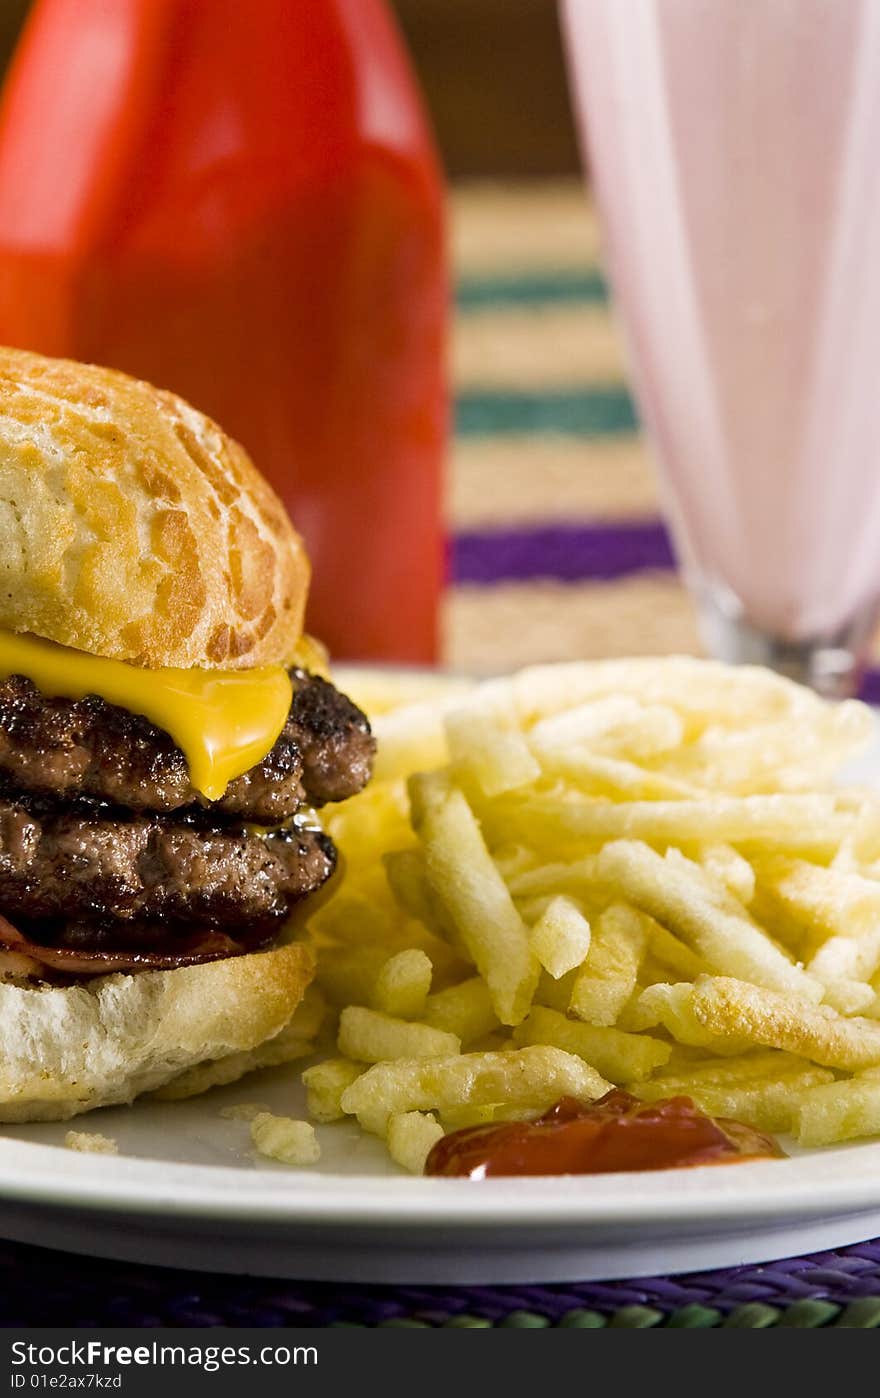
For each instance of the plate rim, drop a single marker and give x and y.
(799, 1186)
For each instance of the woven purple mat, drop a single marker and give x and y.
(40, 1287)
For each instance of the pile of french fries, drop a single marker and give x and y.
(623, 872)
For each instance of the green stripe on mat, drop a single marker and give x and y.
(809, 1313)
(530, 289)
(582, 412)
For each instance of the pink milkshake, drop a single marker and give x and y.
(735, 151)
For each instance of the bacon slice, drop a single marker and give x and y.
(19, 956)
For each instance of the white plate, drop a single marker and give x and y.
(186, 1190)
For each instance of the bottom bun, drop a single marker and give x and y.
(99, 1043)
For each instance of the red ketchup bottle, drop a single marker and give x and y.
(241, 202)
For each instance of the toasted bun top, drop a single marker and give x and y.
(132, 527)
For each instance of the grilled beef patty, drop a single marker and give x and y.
(106, 867)
(66, 748)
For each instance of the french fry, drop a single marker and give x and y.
(775, 756)
(529, 1077)
(844, 965)
(412, 739)
(464, 878)
(549, 879)
(560, 938)
(325, 1083)
(619, 726)
(556, 995)
(457, 1118)
(758, 1065)
(402, 984)
(800, 823)
(486, 748)
(769, 1104)
(408, 881)
(608, 977)
(702, 692)
(410, 1138)
(684, 1058)
(513, 860)
(728, 866)
(531, 910)
(428, 792)
(716, 889)
(827, 901)
(677, 896)
(840, 1111)
(598, 774)
(670, 951)
(725, 1006)
(617, 1056)
(760, 1088)
(464, 1010)
(371, 1037)
(672, 1007)
(860, 848)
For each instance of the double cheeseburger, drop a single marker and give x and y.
(166, 739)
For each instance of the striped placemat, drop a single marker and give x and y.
(837, 1290)
(559, 550)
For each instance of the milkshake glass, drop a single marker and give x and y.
(734, 147)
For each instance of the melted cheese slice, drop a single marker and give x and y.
(223, 721)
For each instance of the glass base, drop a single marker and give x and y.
(832, 665)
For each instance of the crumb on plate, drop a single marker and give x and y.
(284, 1139)
(91, 1142)
(244, 1111)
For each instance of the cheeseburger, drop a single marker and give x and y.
(166, 739)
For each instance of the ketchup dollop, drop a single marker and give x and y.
(618, 1132)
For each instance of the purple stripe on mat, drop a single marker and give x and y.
(570, 553)
(869, 689)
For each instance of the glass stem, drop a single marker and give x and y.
(832, 664)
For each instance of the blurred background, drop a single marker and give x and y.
(556, 548)
(559, 551)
